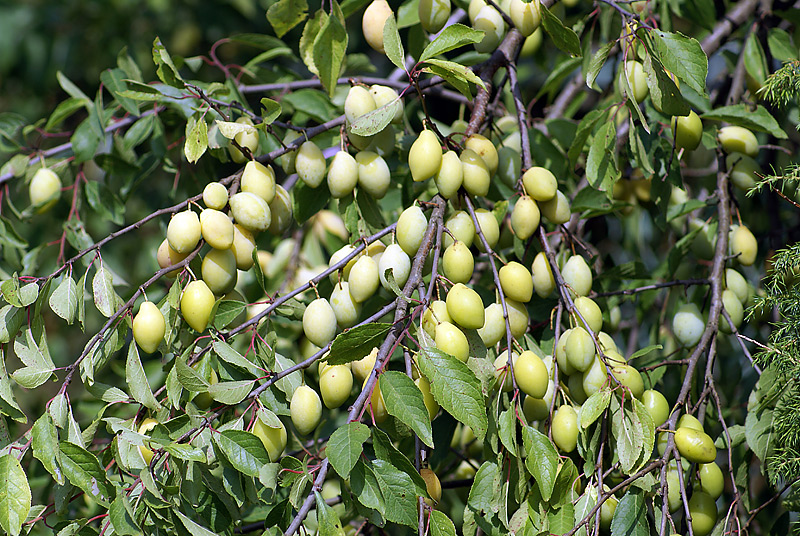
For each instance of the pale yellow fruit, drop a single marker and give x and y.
(704, 513)
(433, 315)
(216, 228)
(377, 403)
(743, 245)
(688, 325)
(433, 14)
(373, 21)
(734, 308)
(411, 227)
(494, 325)
(564, 366)
(531, 374)
(458, 263)
(516, 282)
(363, 367)
(359, 101)
(738, 284)
(384, 95)
(532, 43)
(280, 211)
(310, 164)
(219, 270)
(488, 226)
(363, 279)
(305, 409)
(339, 256)
(540, 183)
(688, 131)
(147, 425)
(286, 160)
(149, 327)
(526, 16)
(580, 349)
(431, 404)
(475, 7)
(451, 340)
(525, 217)
(44, 189)
(489, 21)
(197, 302)
(637, 79)
(518, 318)
(556, 210)
(502, 372)
(183, 231)
(590, 312)
(465, 307)
(166, 256)
(485, 149)
(688, 420)
(243, 245)
(450, 176)
(461, 226)
(577, 275)
(346, 309)
(319, 322)
(425, 156)
(538, 409)
(374, 175)
(695, 445)
(383, 143)
(246, 139)
(259, 179)
(396, 260)
(335, 385)
(595, 377)
(476, 176)
(743, 170)
(215, 196)
(542, 274)
(711, 479)
(565, 428)
(250, 211)
(630, 378)
(273, 439)
(342, 174)
(734, 139)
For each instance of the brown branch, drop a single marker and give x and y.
(732, 20)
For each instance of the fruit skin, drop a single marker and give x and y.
(557, 210)
(656, 405)
(431, 404)
(629, 378)
(502, 374)
(215, 196)
(607, 513)
(577, 275)
(433, 486)
(435, 314)
(374, 175)
(695, 445)
(465, 307)
(595, 377)
(342, 174)
(373, 22)
(377, 404)
(690, 421)
(384, 95)
(711, 479)
(525, 217)
(280, 211)
(398, 261)
(565, 428)
(484, 148)
(243, 245)
(363, 279)
(743, 170)
(305, 409)
(538, 409)
(491, 22)
(580, 349)
(542, 274)
(335, 385)
(637, 79)
(531, 374)
(251, 211)
(362, 368)
(147, 425)
(44, 189)
(743, 245)
(197, 302)
(488, 226)
(219, 271)
(433, 14)
(149, 327)
(477, 176)
(688, 131)
(425, 156)
(319, 322)
(526, 16)
(247, 138)
(688, 325)
(346, 309)
(733, 307)
(734, 139)
(359, 101)
(184, 232)
(274, 439)
(462, 227)
(703, 509)
(451, 340)
(310, 164)
(494, 325)
(216, 228)
(458, 263)
(410, 231)
(516, 282)
(166, 256)
(450, 175)
(258, 179)
(518, 318)
(589, 312)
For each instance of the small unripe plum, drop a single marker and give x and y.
(637, 79)
(502, 374)
(377, 403)
(589, 312)
(384, 95)
(485, 149)
(577, 275)
(373, 21)
(538, 409)
(580, 349)
(339, 256)
(630, 378)
(674, 475)
(219, 271)
(433, 486)
(688, 325)
(695, 445)
(656, 405)
(489, 21)
(431, 404)
(197, 302)
(738, 284)
(451, 340)
(607, 510)
(149, 327)
(280, 211)
(543, 281)
(688, 420)
(743, 170)
(525, 217)
(607, 342)
(287, 160)
(488, 226)
(183, 231)
(411, 227)
(359, 101)
(532, 43)
(516, 282)
(342, 174)
(458, 263)
(518, 318)
(310, 164)
(251, 211)
(476, 174)
(363, 367)
(216, 228)
(494, 325)
(688, 131)
(215, 196)
(346, 309)
(335, 385)
(363, 279)
(433, 14)
(526, 16)
(575, 388)
(243, 245)
(595, 377)
(556, 210)
(433, 316)
(166, 256)
(462, 227)
(743, 245)
(474, 8)
(273, 439)
(565, 428)
(319, 322)
(305, 409)
(374, 175)
(259, 179)
(383, 143)
(734, 308)
(531, 374)
(44, 189)
(450, 176)
(564, 365)
(703, 509)
(711, 479)
(425, 156)
(465, 307)
(734, 139)
(145, 428)
(246, 139)
(396, 260)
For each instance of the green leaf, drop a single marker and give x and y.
(64, 110)
(594, 407)
(564, 38)
(780, 45)
(64, 300)
(740, 114)
(114, 81)
(230, 393)
(585, 128)
(373, 122)
(327, 520)
(398, 494)
(137, 380)
(307, 201)
(601, 163)
(452, 37)
(356, 343)
(627, 430)
(682, 56)
(166, 70)
(328, 52)
(508, 430)
(71, 89)
(82, 469)
(482, 492)
(597, 62)
(760, 433)
(404, 400)
(122, 517)
(286, 14)
(391, 43)
(453, 71)
(196, 139)
(630, 517)
(15, 495)
(345, 447)
(455, 387)
(755, 61)
(644, 351)
(105, 298)
(441, 525)
(193, 528)
(243, 449)
(365, 486)
(541, 460)
(226, 352)
(663, 92)
(272, 110)
(310, 33)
